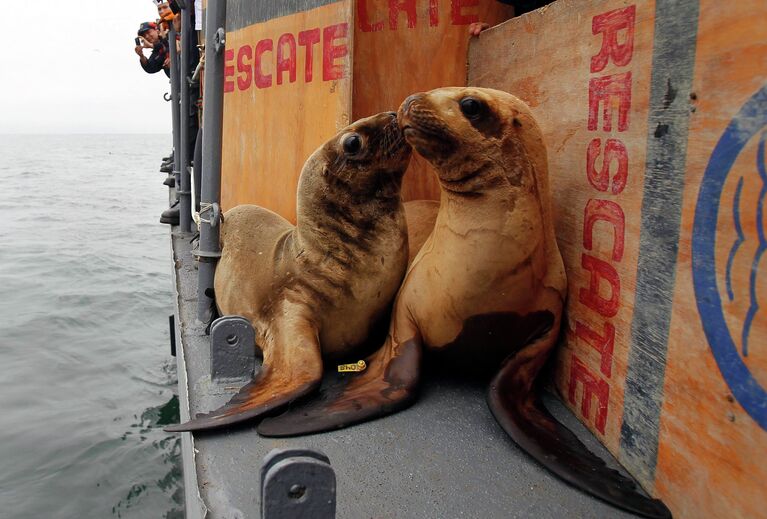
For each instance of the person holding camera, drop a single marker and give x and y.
(150, 38)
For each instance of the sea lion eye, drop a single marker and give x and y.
(352, 144)
(471, 107)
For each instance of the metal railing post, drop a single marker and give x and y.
(184, 190)
(213, 114)
(175, 103)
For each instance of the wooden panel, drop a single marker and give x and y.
(411, 46)
(713, 444)
(287, 90)
(544, 58)
(664, 356)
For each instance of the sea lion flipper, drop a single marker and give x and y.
(284, 377)
(388, 385)
(524, 418)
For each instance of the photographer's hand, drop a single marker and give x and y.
(139, 50)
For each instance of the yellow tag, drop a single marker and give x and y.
(347, 368)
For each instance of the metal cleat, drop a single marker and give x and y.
(232, 348)
(297, 483)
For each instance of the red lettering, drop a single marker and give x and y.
(606, 211)
(456, 15)
(228, 71)
(614, 149)
(362, 15)
(609, 24)
(604, 344)
(395, 7)
(433, 13)
(308, 39)
(604, 89)
(243, 82)
(600, 270)
(262, 80)
(330, 52)
(286, 62)
(592, 386)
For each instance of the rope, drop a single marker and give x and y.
(204, 208)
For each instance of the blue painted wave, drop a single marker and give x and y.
(738, 241)
(752, 279)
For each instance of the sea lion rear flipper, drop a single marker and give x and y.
(292, 368)
(388, 385)
(535, 431)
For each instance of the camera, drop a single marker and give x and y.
(138, 41)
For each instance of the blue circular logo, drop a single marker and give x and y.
(745, 243)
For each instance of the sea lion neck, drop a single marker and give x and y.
(350, 220)
(461, 211)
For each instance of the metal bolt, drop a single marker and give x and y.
(219, 39)
(296, 491)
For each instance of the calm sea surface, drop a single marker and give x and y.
(86, 376)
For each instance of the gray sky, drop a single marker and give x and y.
(68, 66)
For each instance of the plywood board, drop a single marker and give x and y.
(412, 46)
(655, 113)
(713, 443)
(287, 90)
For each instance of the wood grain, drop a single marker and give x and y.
(270, 132)
(393, 60)
(711, 442)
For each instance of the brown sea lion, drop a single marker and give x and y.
(420, 216)
(315, 289)
(488, 288)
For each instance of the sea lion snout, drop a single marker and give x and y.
(381, 140)
(408, 102)
(424, 128)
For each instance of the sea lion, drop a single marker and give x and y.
(488, 287)
(318, 288)
(420, 216)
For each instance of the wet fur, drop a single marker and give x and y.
(487, 288)
(319, 288)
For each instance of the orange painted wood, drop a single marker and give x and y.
(713, 455)
(543, 58)
(712, 450)
(397, 53)
(392, 53)
(268, 133)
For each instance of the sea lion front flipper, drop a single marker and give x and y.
(292, 368)
(519, 411)
(388, 385)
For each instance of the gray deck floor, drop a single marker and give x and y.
(445, 457)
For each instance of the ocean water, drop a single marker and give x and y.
(86, 376)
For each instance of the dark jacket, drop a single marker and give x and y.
(154, 63)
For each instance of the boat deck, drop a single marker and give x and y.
(443, 457)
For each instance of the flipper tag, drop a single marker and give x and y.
(349, 368)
